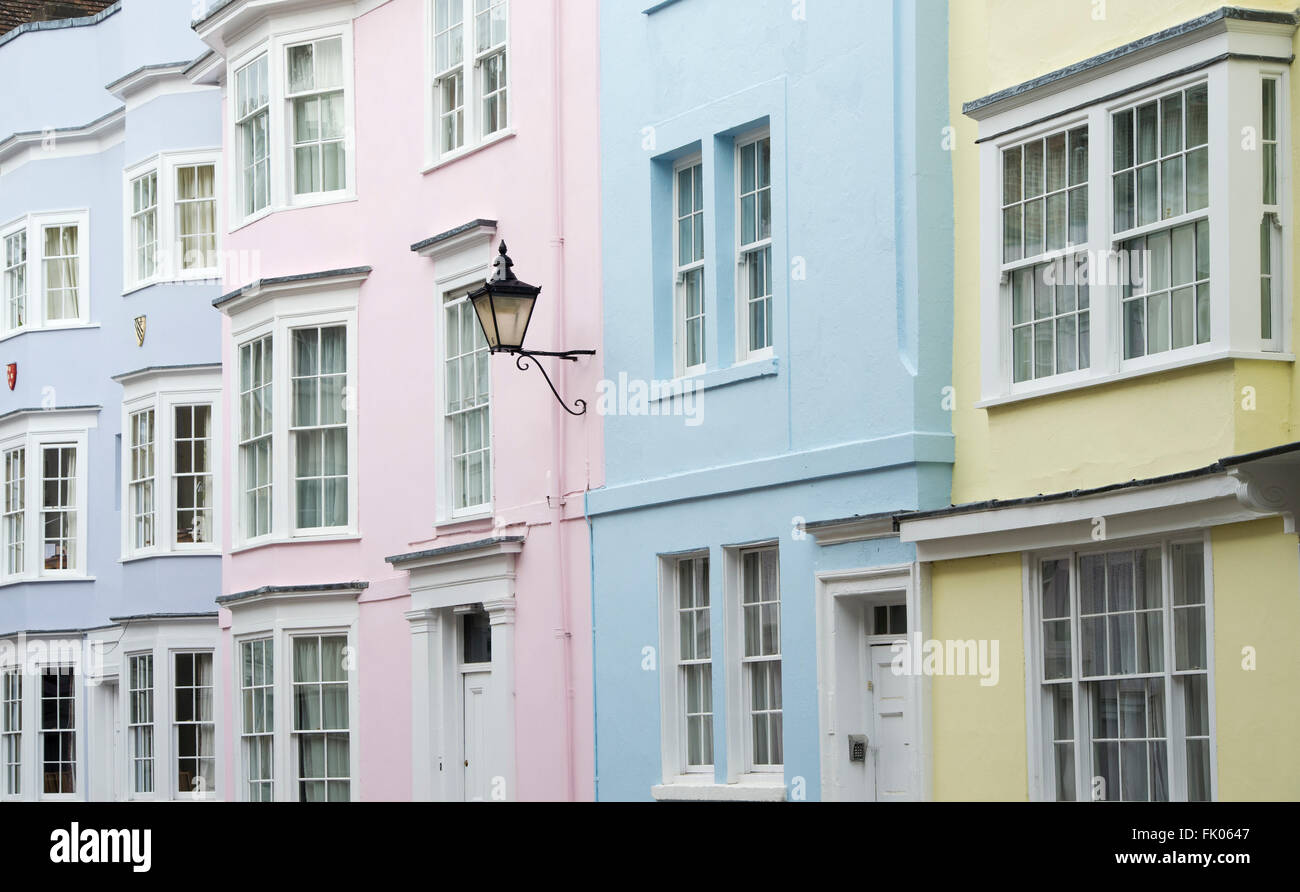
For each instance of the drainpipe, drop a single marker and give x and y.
(560, 421)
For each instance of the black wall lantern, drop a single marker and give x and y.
(504, 307)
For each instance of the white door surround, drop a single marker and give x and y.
(444, 583)
(895, 715)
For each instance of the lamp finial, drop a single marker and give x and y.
(503, 265)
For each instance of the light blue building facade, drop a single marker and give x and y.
(777, 278)
(110, 241)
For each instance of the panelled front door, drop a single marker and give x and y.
(890, 750)
(474, 723)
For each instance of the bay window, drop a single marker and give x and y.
(1123, 658)
(689, 313)
(43, 526)
(470, 90)
(44, 272)
(296, 422)
(291, 110)
(168, 465)
(1147, 254)
(172, 219)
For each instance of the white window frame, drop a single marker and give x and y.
(471, 71)
(265, 691)
(457, 296)
(33, 432)
(239, 197)
(675, 726)
(13, 676)
(311, 26)
(1277, 213)
(740, 749)
(314, 92)
(78, 729)
(296, 430)
(1234, 211)
(34, 225)
(302, 310)
(142, 463)
(294, 733)
(132, 756)
(164, 391)
(682, 270)
(1039, 715)
(744, 350)
(169, 261)
(24, 301)
(175, 724)
(281, 619)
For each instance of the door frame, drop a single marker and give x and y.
(842, 654)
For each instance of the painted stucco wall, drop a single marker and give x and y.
(847, 419)
(979, 730)
(61, 74)
(543, 460)
(1257, 705)
(1148, 426)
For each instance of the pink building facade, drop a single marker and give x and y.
(406, 601)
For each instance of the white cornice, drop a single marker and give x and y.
(152, 81)
(1216, 38)
(87, 139)
(1198, 502)
(241, 20)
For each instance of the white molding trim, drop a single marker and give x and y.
(442, 583)
(1148, 510)
(841, 599)
(63, 142)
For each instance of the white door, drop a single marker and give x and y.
(890, 746)
(474, 725)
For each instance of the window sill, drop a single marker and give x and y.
(449, 523)
(154, 555)
(32, 329)
(203, 277)
(1125, 375)
(466, 151)
(295, 540)
(43, 580)
(748, 790)
(746, 371)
